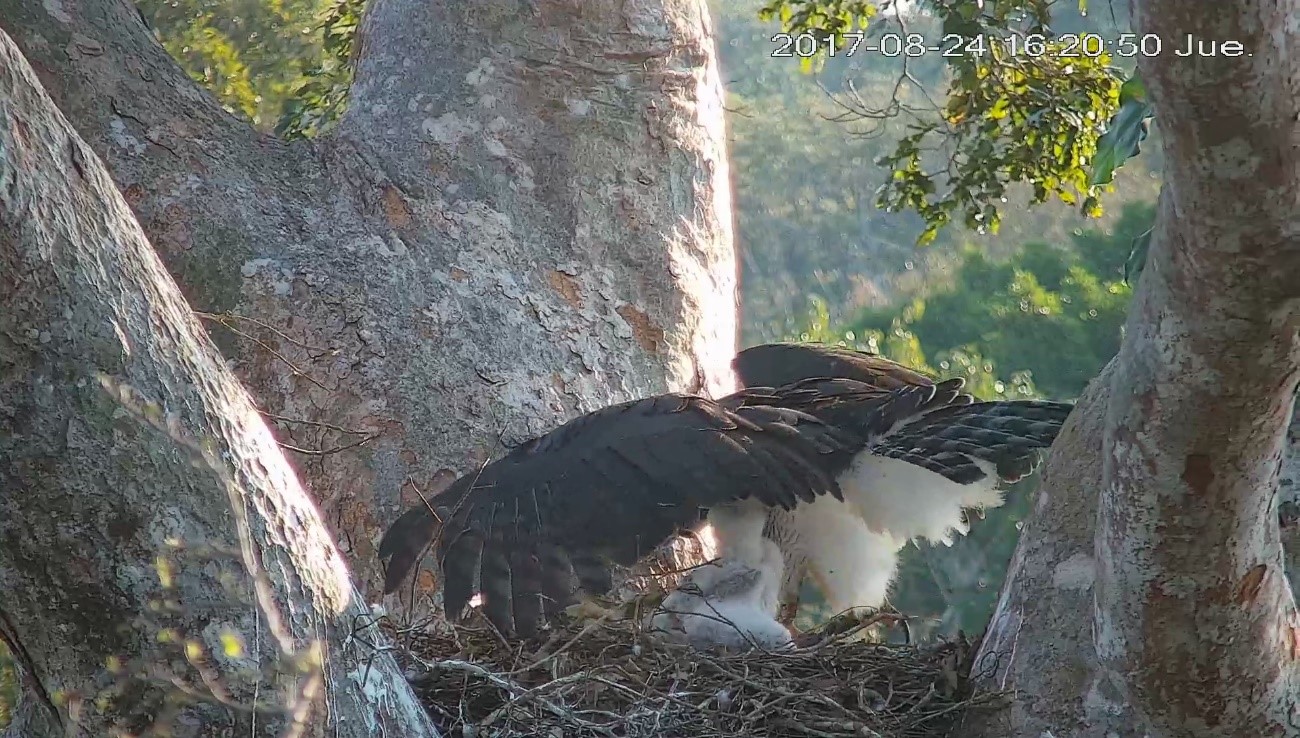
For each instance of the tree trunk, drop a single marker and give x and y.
(115, 554)
(524, 216)
(1172, 542)
(1289, 497)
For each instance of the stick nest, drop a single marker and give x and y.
(608, 677)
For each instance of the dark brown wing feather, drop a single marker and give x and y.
(1007, 434)
(781, 364)
(530, 527)
(825, 381)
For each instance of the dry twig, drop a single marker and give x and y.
(610, 678)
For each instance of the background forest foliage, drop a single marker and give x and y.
(1033, 310)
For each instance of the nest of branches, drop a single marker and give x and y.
(608, 677)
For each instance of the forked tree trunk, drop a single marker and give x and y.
(1148, 595)
(524, 216)
(94, 500)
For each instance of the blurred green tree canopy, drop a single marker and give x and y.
(1050, 312)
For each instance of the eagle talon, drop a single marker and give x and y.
(587, 609)
(787, 614)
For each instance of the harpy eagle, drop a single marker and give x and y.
(837, 457)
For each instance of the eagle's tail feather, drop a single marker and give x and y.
(1037, 420)
(965, 452)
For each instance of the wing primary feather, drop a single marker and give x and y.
(404, 543)
(559, 582)
(496, 585)
(526, 587)
(780, 364)
(461, 568)
(763, 477)
(807, 476)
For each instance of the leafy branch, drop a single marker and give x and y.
(1024, 106)
(319, 98)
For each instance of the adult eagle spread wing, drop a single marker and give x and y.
(844, 460)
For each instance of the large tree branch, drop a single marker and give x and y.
(1289, 498)
(1172, 541)
(1230, 137)
(96, 501)
(192, 172)
(533, 106)
(1194, 613)
(1193, 605)
(1038, 644)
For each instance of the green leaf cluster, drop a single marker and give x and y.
(319, 97)
(1009, 119)
(1127, 130)
(1024, 106)
(824, 21)
(249, 53)
(807, 182)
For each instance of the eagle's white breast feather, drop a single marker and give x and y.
(825, 539)
(909, 502)
(851, 548)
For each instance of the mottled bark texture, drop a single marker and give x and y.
(1289, 497)
(1148, 595)
(524, 216)
(90, 495)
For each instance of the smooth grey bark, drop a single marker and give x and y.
(525, 216)
(91, 495)
(1148, 595)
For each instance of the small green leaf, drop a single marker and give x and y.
(232, 644)
(1125, 133)
(1133, 90)
(928, 235)
(1137, 258)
